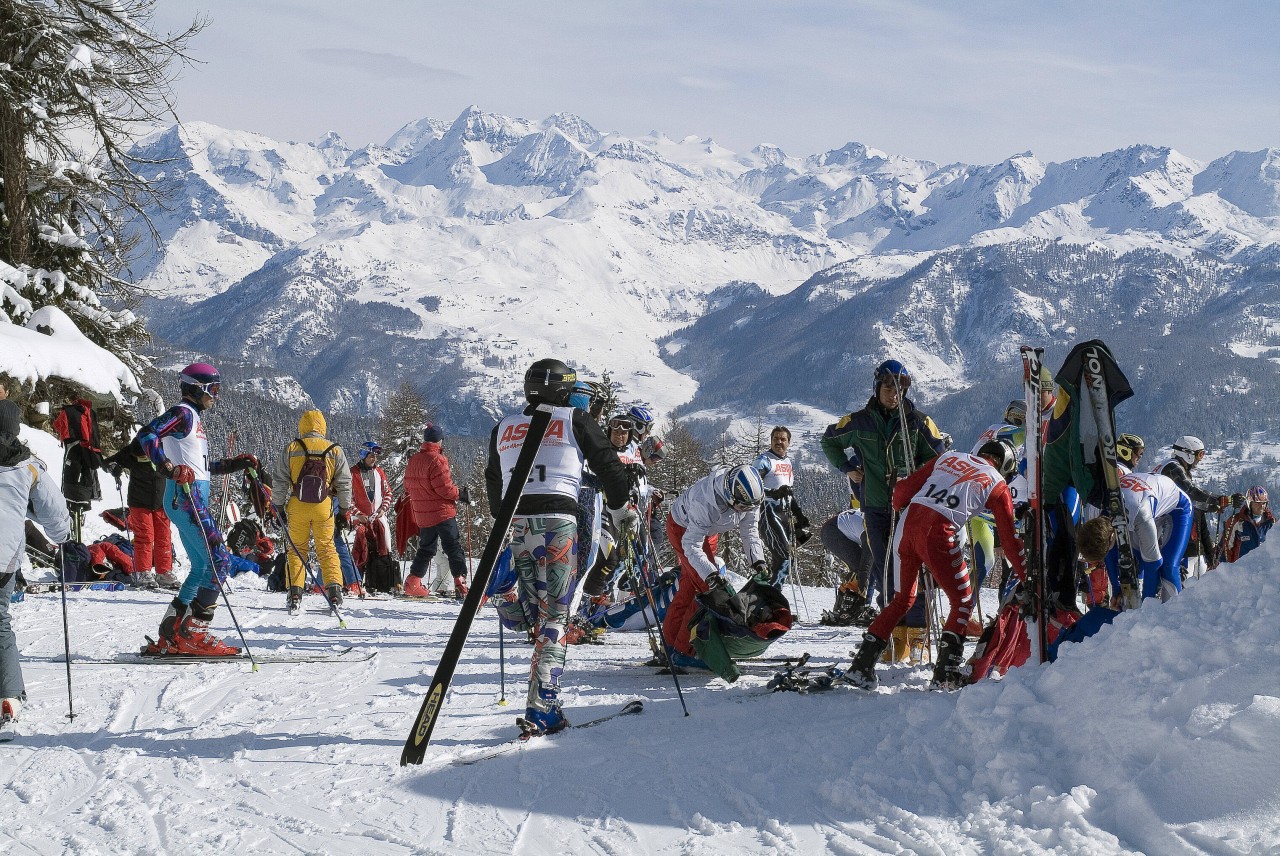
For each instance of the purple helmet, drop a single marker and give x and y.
(200, 379)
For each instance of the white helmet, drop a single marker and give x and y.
(1188, 449)
(743, 486)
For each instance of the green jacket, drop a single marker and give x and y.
(873, 434)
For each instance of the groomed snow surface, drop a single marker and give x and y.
(1159, 735)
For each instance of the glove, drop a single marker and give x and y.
(344, 518)
(714, 582)
(116, 471)
(1237, 500)
(464, 496)
(1223, 502)
(625, 520)
(779, 492)
(760, 575)
(803, 534)
(183, 474)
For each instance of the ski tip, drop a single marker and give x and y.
(634, 706)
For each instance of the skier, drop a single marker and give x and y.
(1129, 449)
(726, 499)
(177, 447)
(149, 525)
(845, 537)
(1201, 553)
(434, 497)
(1155, 506)
(312, 472)
(935, 502)
(866, 445)
(544, 533)
(26, 490)
(1248, 527)
(371, 495)
(780, 506)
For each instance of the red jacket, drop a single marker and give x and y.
(430, 486)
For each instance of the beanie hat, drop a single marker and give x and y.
(433, 434)
(9, 418)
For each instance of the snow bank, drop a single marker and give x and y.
(29, 355)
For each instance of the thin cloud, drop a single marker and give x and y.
(380, 65)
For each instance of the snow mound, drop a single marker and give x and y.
(51, 346)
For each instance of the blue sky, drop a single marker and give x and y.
(961, 80)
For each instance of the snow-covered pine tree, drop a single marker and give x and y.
(78, 81)
(400, 432)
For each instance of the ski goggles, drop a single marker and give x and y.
(209, 389)
(621, 425)
(1257, 494)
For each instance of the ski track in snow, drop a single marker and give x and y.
(1160, 735)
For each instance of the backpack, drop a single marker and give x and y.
(313, 479)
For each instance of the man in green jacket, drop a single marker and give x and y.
(867, 446)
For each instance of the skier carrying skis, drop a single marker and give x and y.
(935, 502)
(867, 446)
(1201, 553)
(312, 472)
(726, 499)
(1248, 527)
(26, 490)
(176, 444)
(1153, 504)
(545, 530)
(780, 506)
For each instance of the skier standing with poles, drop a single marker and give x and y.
(26, 489)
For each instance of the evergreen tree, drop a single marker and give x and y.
(403, 418)
(78, 81)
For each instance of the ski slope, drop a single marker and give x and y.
(1159, 735)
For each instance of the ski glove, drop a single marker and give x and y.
(625, 520)
(779, 492)
(803, 534)
(1237, 500)
(464, 496)
(760, 573)
(183, 474)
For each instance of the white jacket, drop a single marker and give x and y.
(701, 512)
(27, 489)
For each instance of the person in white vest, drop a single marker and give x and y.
(780, 507)
(934, 504)
(544, 534)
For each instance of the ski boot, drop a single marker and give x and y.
(862, 673)
(144, 580)
(333, 593)
(946, 672)
(356, 590)
(460, 587)
(536, 722)
(194, 637)
(9, 718)
(293, 602)
(168, 582)
(413, 587)
(167, 640)
(849, 602)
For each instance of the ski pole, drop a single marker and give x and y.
(222, 509)
(662, 637)
(502, 658)
(310, 575)
(213, 572)
(794, 576)
(66, 632)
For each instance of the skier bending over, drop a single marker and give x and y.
(176, 444)
(1152, 503)
(544, 534)
(723, 500)
(934, 503)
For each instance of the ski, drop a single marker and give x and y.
(134, 658)
(1033, 535)
(415, 746)
(1095, 391)
(636, 706)
(54, 588)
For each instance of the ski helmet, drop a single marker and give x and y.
(1015, 412)
(370, 448)
(584, 394)
(199, 379)
(889, 371)
(1129, 447)
(1257, 493)
(743, 486)
(549, 382)
(1002, 456)
(641, 415)
(1188, 449)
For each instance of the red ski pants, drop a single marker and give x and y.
(924, 537)
(152, 540)
(675, 627)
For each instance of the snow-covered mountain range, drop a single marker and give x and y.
(458, 252)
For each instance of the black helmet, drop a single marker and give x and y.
(1129, 447)
(1002, 455)
(549, 382)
